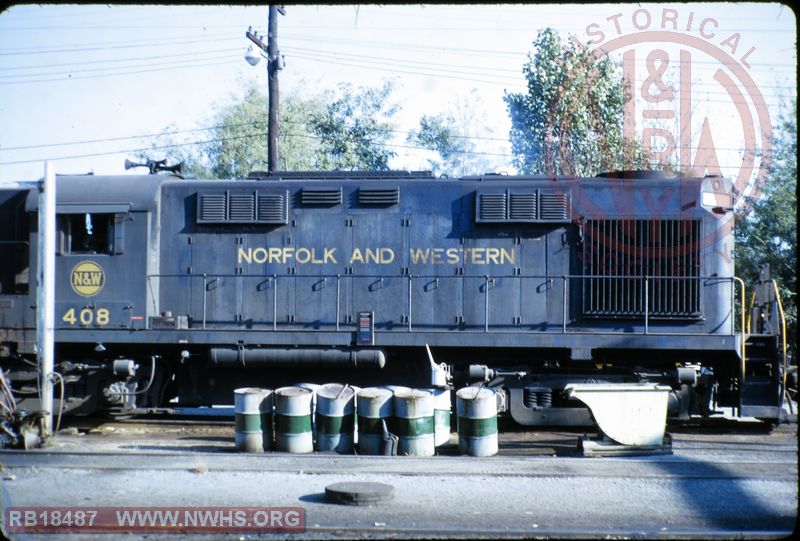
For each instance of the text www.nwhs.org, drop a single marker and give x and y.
(155, 519)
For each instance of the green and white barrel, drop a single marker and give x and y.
(476, 408)
(391, 422)
(335, 417)
(374, 405)
(395, 388)
(253, 419)
(314, 387)
(442, 408)
(293, 419)
(414, 424)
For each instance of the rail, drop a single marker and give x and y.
(783, 333)
(743, 335)
(493, 289)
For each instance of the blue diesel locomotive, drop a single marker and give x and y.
(173, 292)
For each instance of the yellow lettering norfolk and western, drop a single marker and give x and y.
(381, 256)
(454, 256)
(418, 255)
(356, 256)
(303, 256)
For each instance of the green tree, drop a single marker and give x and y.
(766, 231)
(570, 120)
(354, 129)
(452, 137)
(348, 129)
(438, 134)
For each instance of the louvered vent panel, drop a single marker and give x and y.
(321, 196)
(379, 196)
(554, 207)
(212, 208)
(241, 207)
(272, 209)
(492, 207)
(523, 207)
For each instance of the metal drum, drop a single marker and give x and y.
(395, 388)
(476, 408)
(334, 418)
(293, 419)
(414, 425)
(374, 405)
(314, 387)
(392, 421)
(253, 419)
(442, 408)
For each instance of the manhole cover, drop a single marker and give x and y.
(358, 493)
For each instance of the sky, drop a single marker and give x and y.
(86, 86)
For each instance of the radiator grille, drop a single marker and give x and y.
(272, 209)
(321, 196)
(619, 254)
(379, 196)
(554, 207)
(242, 207)
(492, 207)
(523, 206)
(212, 208)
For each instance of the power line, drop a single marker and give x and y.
(135, 72)
(446, 50)
(208, 128)
(171, 63)
(305, 136)
(480, 72)
(113, 60)
(409, 72)
(434, 71)
(104, 47)
(399, 61)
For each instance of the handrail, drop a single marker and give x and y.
(743, 337)
(750, 312)
(783, 330)
(487, 281)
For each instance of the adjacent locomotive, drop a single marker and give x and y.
(173, 292)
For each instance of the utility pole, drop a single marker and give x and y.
(274, 64)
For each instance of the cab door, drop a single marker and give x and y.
(100, 267)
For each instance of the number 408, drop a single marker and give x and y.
(87, 316)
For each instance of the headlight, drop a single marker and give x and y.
(715, 200)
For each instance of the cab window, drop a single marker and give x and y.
(87, 233)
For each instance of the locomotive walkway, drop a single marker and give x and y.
(731, 480)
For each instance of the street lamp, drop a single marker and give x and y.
(253, 57)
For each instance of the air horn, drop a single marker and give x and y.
(155, 166)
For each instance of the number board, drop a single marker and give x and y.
(100, 315)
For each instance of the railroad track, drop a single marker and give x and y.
(714, 485)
